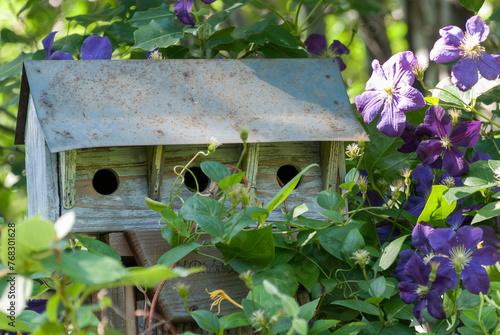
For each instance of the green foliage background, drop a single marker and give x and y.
(373, 28)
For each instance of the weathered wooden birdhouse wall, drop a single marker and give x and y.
(102, 135)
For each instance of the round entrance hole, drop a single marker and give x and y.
(105, 181)
(199, 176)
(286, 173)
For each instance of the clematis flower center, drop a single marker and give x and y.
(389, 92)
(460, 256)
(445, 142)
(470, 46)
(421, 290)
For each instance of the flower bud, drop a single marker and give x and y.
(455, 115)
(247, 279)
(361, 257)
(213, 145)
(182, 289)
(419, 71)
(362, 182)
(352, 151)
(244, 134)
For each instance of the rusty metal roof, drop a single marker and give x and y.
(105, 103)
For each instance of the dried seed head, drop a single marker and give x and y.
(352, 151)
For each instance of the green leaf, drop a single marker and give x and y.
(178, 225)
(13, 68)
(281, 275)
(155, 205)
(306, 271)
(286, 190)
(310, 223)
(241, 220)
(176, 254)
(391, 252)
(335, 216)
(454, 95)
(199, 205)
(456, 193)
(91, 269)
(432, 101)
(222, 36)
(494, 165)
(351, 328)
(480, 174)
(98, 247)
(150, 277)
(219, 17)
(215, 170)
(308, 310)
(271, 50)
(329, 199)
(489, 146)
(288, 303)
(472, 5)
(487, 212)
(227, 183)
(175, 52)
(332, 239)
(378, 286)
(159, 34)
(353, 242)
(234, 320)
(321, 325)
(105, 14)
(280, 36)
(142, 19)
(358, 305)
(300, 325)
(206, 320)
(437, 209)
(381, 154)
(253, 247)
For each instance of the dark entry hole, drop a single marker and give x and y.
(199, 176)
(105, 181)
(286, 173)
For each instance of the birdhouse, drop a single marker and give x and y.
(102, 135)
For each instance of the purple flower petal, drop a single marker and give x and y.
(377, 79)
(149, 53)
(392, 120)
(182, 10)
(490, 238)
(423, 180)
(315, 44)
(399, 68)
(489, 66)
(475, 279)
(369, 104)
(410, 138)
(442, 240)
(452, 35)
(454, 162)
(464, 74)
(476, 26)
(437, 121)
(409, 99)
(407, 292)
(478, 156)
(429, 151)
(415, 205)
(418, 309)
(96, 47)
(469, 237)
(208, 1)
(48, 42)
(339, 48)
(465, 134)
(437, 164)
(443, 52)
(434, 306)
(420, 237)
(404, 257)
(59, 55)
(341, 63)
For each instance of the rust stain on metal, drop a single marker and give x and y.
(141, 102)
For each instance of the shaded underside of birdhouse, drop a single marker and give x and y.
(104, 103)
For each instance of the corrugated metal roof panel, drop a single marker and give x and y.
(105, 103)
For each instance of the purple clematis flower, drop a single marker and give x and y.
(389, 89)
(423, 177)
(96, 47)
(182, 10)
(454, 43)
(437, 126)
(316, 44)
(48, 42)
(411, 139)
(465, 255)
